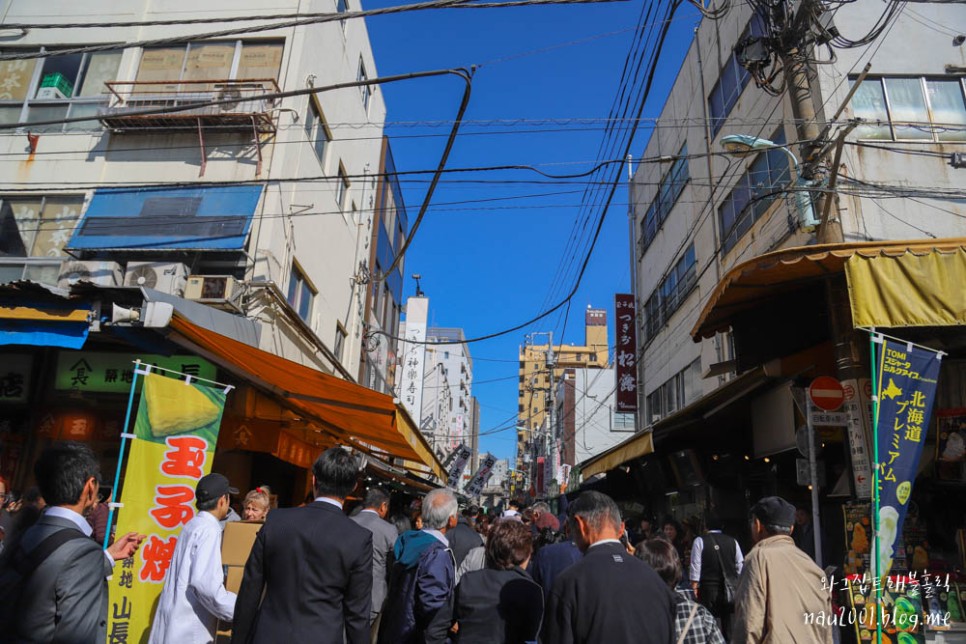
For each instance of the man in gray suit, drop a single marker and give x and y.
(373, 518)
(63, 598)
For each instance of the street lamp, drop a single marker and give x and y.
(743, 145)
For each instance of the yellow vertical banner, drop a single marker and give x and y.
(173, 443)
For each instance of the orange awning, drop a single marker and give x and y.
(352, 414)
(745, 286)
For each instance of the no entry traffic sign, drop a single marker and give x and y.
(826, 393)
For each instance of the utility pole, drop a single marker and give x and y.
(552, 404)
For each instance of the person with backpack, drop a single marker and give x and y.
(716, 561)
(53, 577)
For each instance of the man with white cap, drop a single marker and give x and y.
(194, 597)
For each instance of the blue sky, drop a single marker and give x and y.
(490, 265)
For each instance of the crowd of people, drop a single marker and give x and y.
(430, 574)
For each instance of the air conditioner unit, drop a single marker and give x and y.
(167, 277)
(100, 273)
(214, 289)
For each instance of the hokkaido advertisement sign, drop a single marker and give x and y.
(176, 431)
(906, 390)
(625, 360)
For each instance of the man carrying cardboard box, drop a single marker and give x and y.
(309, 575)
(194, 597)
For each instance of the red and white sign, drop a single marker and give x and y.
(826, 393)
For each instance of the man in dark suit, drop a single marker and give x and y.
(621, 598)
(60, 596)
(462, 539)
(309, 576)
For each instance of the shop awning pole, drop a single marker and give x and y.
(875, 489)
(120, 455)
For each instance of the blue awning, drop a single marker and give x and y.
(201, 218)
(29, 324)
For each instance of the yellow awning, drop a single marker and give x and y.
(913, 289)
(747, 285)
(636, 447)
(46, 314)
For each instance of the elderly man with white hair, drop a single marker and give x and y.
(419, 607)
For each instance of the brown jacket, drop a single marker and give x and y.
(780, 599)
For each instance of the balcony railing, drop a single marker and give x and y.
(241, 105)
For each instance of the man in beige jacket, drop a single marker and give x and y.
(780, 599)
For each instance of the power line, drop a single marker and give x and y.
(314, 19)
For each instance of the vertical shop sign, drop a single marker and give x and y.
(625, 360)
(857, 406)
(480, 478)
(414, 358)
(174, 438)
(461, 455)
(905, 392)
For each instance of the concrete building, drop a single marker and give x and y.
(535, 375)
(738, 304)
(436, 382)
(383, 303)
(588, 422)
(257, 217)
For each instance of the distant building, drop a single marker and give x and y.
(586, 418)
(535, 376)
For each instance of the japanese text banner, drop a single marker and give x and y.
(625, 358)
(906, 391)
(176, 432)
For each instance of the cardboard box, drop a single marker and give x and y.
(236, 544)
(234, 578)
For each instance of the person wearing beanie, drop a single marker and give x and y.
(780, 596)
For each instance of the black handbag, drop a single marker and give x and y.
(727, 581)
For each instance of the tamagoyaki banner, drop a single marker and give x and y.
(175, 433)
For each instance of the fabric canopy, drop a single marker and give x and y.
(932, 265)
(351, 413)
(640, 445)
(912, 289)
(47, 325)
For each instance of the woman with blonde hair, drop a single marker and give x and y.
(257, 504)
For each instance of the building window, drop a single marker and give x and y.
(57, 87)
(754, 193)
(731, 82)
(668, 191)
(196, 62)
(365, 89)
(670, 294)
(37, 226)
(301, 294)
(340, 336)
(623, 421)
(677, 393)
(341, 188)
(318, 132)
(911, 109)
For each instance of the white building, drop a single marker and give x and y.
(448, 389)
(586, 419)
(290, 239)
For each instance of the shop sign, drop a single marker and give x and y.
(625, 358)
(176, 430)
(460, 456)
(112, 373)
(15, 377)
(906, 391)
(858, 400)
(480, 478)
